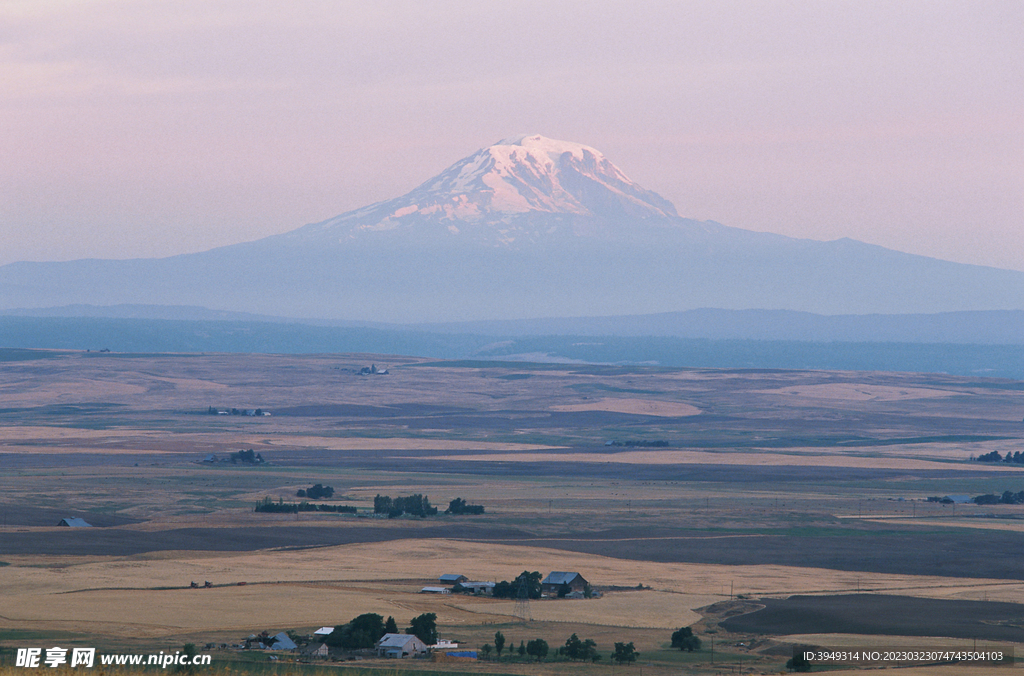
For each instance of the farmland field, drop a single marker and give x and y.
(703, 498)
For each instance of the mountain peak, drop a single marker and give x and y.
(520, 176)
(532, 173)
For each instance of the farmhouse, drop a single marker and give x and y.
(452, 578)
(400, 645)
(553, 582)
(71, 522)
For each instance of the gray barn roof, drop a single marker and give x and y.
(558, 577)
(400, 641)
(283, 642)
(75, 522)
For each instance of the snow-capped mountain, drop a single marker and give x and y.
(518, 191)
(528, 227)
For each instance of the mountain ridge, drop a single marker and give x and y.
(992, 327)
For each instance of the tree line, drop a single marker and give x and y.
(1016, 458)
(575, 649)
(363, 632)
(419, 505)
(639, 443)
(1007, 498)
(416, 505)
(281, 507)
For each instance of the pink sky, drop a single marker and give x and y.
(151, 128)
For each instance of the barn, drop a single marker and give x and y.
(400, 645)
(554, 581)
(74, 522)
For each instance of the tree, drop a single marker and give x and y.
(499, 642)
(575, 649)
(319, 491)
(424, 627)
(381, 504)
(416, 504)
(798, 663)
(362, 632)
(460, 506)
(522, 648)
(486, 650)
(684, 639)
(564, 590)
(390, 627)
(189, 650)
(533, 586)
(538, 648)
(625, 652)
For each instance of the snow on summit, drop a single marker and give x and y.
(500, 185)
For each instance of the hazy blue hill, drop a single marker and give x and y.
(160, 335)
(993, 327)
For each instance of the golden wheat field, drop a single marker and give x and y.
(671, 491)
(148, 596)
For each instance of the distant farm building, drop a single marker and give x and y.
(452, 578)
(444, 644)
(478, 587)
(323, 632)
(435, 590)
(553, 582)
(400, 645)
(283, 642)
(72, 522)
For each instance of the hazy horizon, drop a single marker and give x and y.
(148, 130)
